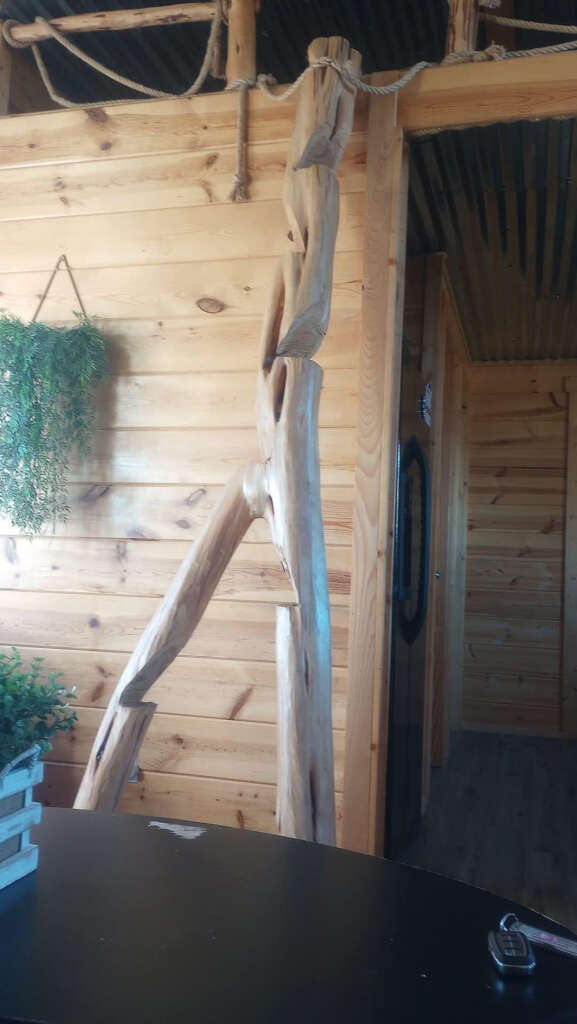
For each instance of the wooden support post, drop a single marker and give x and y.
(6, 63)
(380, 375)
(289, 394)
(124, 725)
(462, 25)
(241, 57)
(433, 367)
(114, 21)
(284, 488)
(569, 644)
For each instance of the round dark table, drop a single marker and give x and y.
(126, 922)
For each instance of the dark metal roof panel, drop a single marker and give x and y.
(502, 202)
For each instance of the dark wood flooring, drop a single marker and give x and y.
(503, 816)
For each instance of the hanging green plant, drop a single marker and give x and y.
(47, 379)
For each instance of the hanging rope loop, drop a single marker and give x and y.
(115, 76)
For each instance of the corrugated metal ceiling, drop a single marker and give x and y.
(501, 201)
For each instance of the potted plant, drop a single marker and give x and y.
(32, 712)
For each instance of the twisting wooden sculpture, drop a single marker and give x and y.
(284, 488)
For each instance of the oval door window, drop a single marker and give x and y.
(413, 539)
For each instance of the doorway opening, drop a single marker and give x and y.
(482, 760)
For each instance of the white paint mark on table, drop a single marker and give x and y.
(182, 831)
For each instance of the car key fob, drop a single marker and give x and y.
(512, 953)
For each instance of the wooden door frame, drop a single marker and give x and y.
(439, 98)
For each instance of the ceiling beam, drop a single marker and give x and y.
(113, 21)
(461, 95)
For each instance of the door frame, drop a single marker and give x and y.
(444, 97)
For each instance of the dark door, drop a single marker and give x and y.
(409, 623)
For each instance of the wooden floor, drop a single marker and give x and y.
(502, 816)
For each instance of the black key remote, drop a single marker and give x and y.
(512, 953)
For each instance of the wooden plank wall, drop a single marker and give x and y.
(136, 195)
(518, 425)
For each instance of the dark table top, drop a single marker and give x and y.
(124, 922)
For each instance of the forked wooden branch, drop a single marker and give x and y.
(284, 488)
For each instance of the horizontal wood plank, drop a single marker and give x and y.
(184, 457)
(517, 378)
(156, 181)
(516, 603)
(237, 231)
(515, 573)
(147, 568)
(201, 124)
(193, 746)
(189, 798)
(506, 432)
(518, 688)
(517, 454)
(102, 622)
(217, 344)
(172, 512)
(543, 405)
(521, 544)
(478, 93)
(502, 481)
(525, 717)
(206, 688)
(480, 657)
(240, 287)
(499, 631)
(541, 519)
(204, 400)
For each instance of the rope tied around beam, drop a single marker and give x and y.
(115, 76)
(267, 83)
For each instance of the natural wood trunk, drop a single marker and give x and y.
(284, 488)
(287, 417)
(114, 21)
(124, 725)
(462, 25)
(241, 56)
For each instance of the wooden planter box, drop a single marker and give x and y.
(18, 813)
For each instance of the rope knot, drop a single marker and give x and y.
(9, 38)
(493, 52)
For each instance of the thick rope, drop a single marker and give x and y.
(240, 183)
(536, 26)
(130, 83)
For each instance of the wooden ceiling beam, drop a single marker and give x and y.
(462, 95)
(113, 21)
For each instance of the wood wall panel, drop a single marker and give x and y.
(202, 124)
(194, 457)
(203, 233)
(226, 344)
(203, 687)
(166, 290)
(518, 427)
(154, 182)
(136, 195)
(87, 566)
(172, 512)
(234, 804)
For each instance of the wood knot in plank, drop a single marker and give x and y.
(210, 305)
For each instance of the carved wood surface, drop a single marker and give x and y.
(284, 488)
